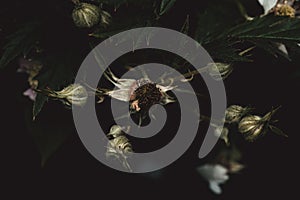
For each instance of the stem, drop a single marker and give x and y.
(246, 51)
(191, 73)
(243, 11)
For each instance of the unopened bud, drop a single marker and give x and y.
(253, 126)
(74, 94)
(234, 113)
(219, 71)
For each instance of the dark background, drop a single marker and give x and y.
(73, 172)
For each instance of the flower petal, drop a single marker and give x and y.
(30, 93)
(215, 187)
(282, 48)
(120, 94)
(267, 4)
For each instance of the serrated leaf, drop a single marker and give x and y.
(267, 32)
(224, 51)
(212, 23)
(274, 28)
(165, 6)
(48, 133)
(217, 18)
(20, 43)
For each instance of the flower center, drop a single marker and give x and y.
(145, 96)
(285, 10)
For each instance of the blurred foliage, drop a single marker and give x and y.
(220, 26)
(20, 43)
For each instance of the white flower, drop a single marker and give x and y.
(215, 175)
(267, 5)
(128, 90)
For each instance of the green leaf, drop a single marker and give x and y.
(165, 6)
(272, 28)
(275, 28)
(20, 43)
(212, 23)
(49, 132)
(217, 18)
(224, 51)
(267, 33)
(38, 104)
(54, 76)
(218, 25)
(271, 48)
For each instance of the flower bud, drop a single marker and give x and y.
(234, 113)
(121, 143)
(119, 147)
(86, 15)
(74, 94)
(251, 127)
(219, 71)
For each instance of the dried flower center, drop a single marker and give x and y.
(285, 10)
(145, 96)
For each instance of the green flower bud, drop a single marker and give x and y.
(252, 126)
(219, 71)
(234, 113)
(74, 94)
(86, 15)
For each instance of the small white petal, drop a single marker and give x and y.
(215, 187)
(30, 93)
(282, 48)
(267, 4)
(120, 83)
(215, 175)
(125, 83)
(121, 94)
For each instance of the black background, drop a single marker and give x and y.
(72, 172)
